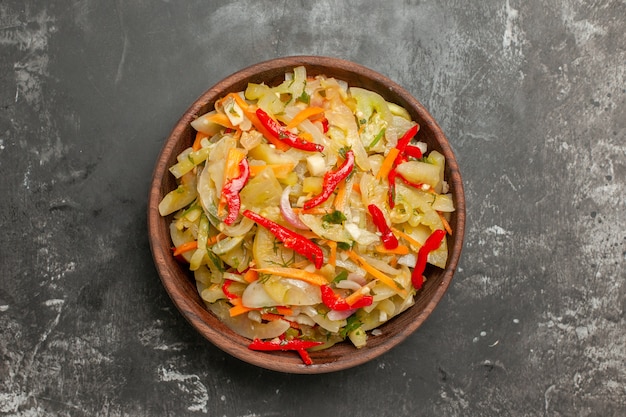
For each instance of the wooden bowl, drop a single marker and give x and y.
(179, 282)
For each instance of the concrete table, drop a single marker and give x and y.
(532, 97)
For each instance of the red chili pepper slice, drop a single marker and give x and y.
(417, 185)
(325, 124)
(331, 180)
(335, 302)
(432, 243)
(226, 291)
(230, 191)
(271, 345)
(389, 239)
(413, 152)
(290, 239)
(403, 142)
(402, 145)
(286, 136)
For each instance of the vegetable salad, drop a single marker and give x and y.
(307, 212)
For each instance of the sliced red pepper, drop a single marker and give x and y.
(272, 345)
(286, 136)
(413, 152)
(331, 181)
(335, 302)
(304, 355)
(432, 243)
(402, 145)
(409, 183)
(389, 239)
(325, 124)
(225, 289)
(230, 191)
(290, 239)
(403, 142)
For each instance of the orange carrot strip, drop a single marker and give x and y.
(387, 164)
(399, 250)
(310, 277)
(407, 237)
(332, 259)
(285, 311)
(197, 143)
(238, 308)
(231, 170)
(355, 296)
(303, 115)
(340, 197)
(221, 119)
(251, 275)
(185, 247)
(376, 273)
(213, 240)
(446, 225)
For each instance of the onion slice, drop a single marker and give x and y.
(287, 211)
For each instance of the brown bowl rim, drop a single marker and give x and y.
(177, 282)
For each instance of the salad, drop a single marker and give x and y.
(307, 212)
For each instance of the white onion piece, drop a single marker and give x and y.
(339, 315)
(287, 211)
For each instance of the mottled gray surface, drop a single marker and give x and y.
(532, 96)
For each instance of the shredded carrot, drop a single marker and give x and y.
(446, 225)
(377, 274)
(303, 115)
(231, 170)
(274, 317)
(185, 247)
(310, 277)
(399, 250)
(340, 197)
(285, 311)
(393, 262)
(332, 259)
(238, 308)
(197, 143)
(214, 239)
(356, 187)
(406, 237)
(220, 119)
(387, 164)
(251, 275)
(355, 296)
(240, 101)
(280, 170)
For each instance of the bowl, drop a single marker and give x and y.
(179, 282)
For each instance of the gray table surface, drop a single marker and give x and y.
(532, 97)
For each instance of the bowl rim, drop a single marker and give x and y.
(167, 267)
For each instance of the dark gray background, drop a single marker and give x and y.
(531, 95)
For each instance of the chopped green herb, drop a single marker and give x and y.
(377, 138)
(341, 276)
(335, 217)
(304, 97)
(344, 246)
(353, 323)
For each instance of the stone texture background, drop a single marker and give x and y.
(530, 93)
